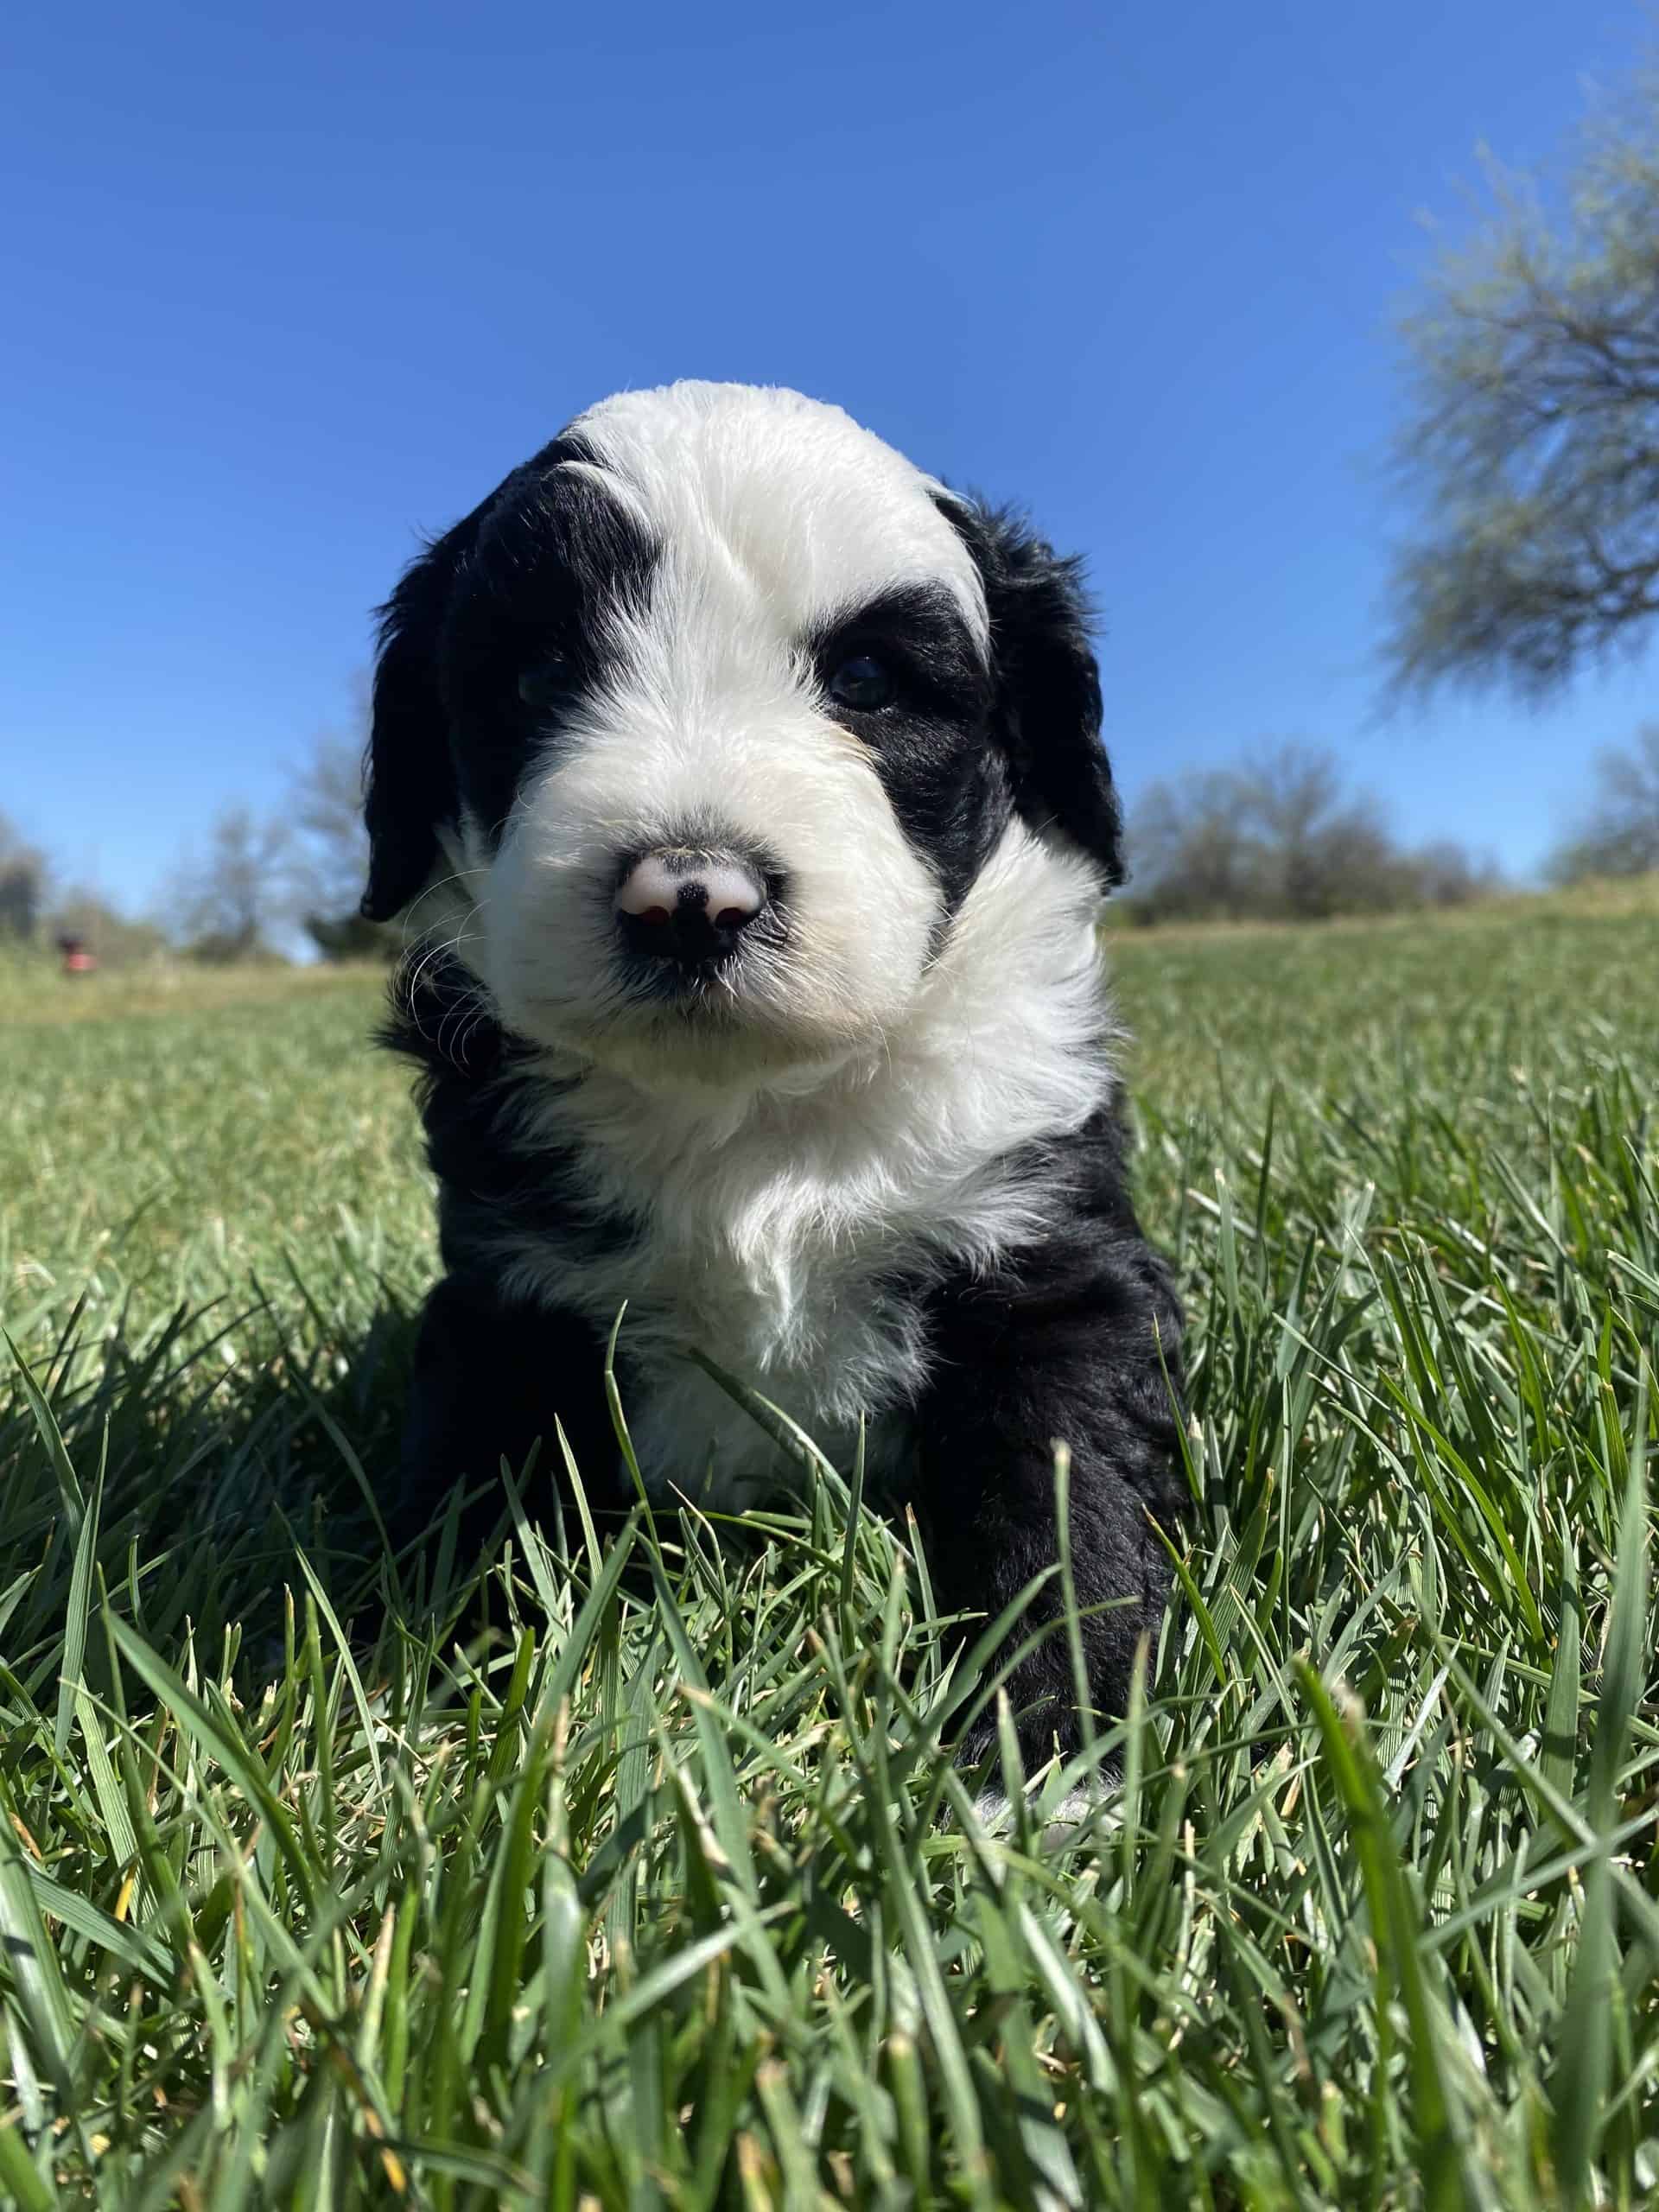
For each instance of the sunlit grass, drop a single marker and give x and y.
(659, 1890)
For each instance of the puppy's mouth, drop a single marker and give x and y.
(705, 973)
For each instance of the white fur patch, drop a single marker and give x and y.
(776, 1213)
(787, 495)
(772, 514)
(995, 1814)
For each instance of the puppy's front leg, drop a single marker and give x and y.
(1070, 1348)
(490, 1380)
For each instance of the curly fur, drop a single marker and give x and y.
(874, 1165)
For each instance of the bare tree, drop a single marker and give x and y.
(1445, 874)
(1620, 834)
(229, 903)
(328, 860)
(1317, 852)
(1532, 443)
(23, 884)
(1187, 852)
(1241, 841)
(1279, 837)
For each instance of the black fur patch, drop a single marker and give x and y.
(1046, 715)
(1076, 1341)
(945, 780)
(529, 576)
(478, 1081)
(554, 560)
(492, 1375)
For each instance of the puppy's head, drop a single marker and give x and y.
(710, 716)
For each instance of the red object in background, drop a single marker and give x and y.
(77, 961)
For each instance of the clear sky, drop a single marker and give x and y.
(285, 284)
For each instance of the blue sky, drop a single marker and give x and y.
(292, 284)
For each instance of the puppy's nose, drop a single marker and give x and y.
(684, 905)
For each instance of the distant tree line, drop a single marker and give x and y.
(1279, 838)
(1619, 832)
(23, 884)
(258, 884)
(36, 908)
(263, 879)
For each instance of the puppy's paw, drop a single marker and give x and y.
(1060, 1821)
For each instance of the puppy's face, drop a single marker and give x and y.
(713, 712)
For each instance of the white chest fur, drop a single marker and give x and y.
(784, 1231)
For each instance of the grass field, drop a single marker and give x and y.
(632, 1904)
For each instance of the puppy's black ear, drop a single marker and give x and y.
(1048, 686)
(410, 778)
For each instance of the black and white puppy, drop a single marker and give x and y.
(746, 789)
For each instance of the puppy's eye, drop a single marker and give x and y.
(547, 681)
(862, 683)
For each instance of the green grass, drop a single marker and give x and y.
(672, 1900)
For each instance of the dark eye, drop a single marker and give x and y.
(547, 681)
(862, 683)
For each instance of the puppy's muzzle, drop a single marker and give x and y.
(689, 907)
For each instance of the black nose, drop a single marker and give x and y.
(675, 903)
